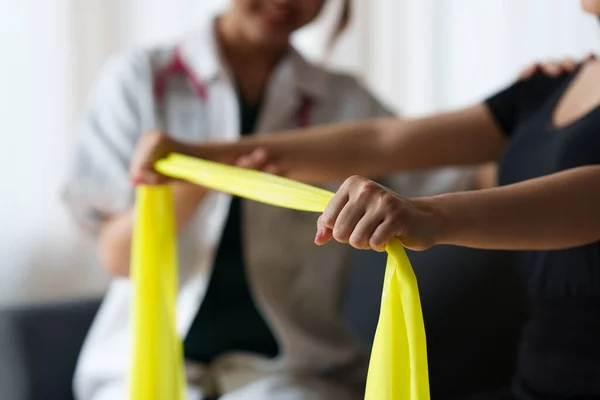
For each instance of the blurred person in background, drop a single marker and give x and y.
(545, 133)
(260, 313)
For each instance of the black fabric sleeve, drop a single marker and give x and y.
(519, 100)
(504, 107)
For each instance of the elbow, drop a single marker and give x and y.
(114, 258)
(116, 265)
(114, 245)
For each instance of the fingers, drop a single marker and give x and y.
(363, 214)
(324, 234)
(258, 160)
(553, 69)
(326, 221)
(567, 65)
(151, 147)
(243, 162)
(255, 160)
(364, 230)
(273, 169)
(383, 234)
(149, 177)
(529, 71)
(346, 222)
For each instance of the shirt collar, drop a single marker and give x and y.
(200, 51)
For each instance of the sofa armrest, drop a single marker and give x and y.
(39, 346)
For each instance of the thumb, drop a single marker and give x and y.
(324, 233)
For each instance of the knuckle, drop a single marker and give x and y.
(367, 189)
(377, 244)
(357, 241)
(391, 207)
(341, 234)
(389, 200)
(261, 153)
(354, 181)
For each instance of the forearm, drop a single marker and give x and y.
(320, 154)
(371, 148)
(554, 212)
(116, 232)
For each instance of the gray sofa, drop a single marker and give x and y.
(39, 347)
(472, 301)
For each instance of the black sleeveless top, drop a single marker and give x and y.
(560, 352)
(228, 319)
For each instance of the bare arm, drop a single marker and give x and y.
(554, 212)
(371, 148)
(115, 233)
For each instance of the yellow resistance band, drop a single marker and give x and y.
(398, 366)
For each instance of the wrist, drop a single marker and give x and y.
(188, 193)
(443, 223)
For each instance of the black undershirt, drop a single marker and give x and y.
(536, 148)
(560, 354)
(228, 319)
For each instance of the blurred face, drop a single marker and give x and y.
(591, 6)
(270, 22)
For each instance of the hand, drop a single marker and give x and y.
(259, 159)
(553, 68)
(151, 147)
(369, 216)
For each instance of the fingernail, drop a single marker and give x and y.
(137, 181)
(319, 234)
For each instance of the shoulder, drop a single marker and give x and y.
(133, 67)
(126, 66)
(541, 86)
(348, 91)
(345, 83)
(336, 90)
(529, 94)
(524, 98)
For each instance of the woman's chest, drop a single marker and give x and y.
(537, 148)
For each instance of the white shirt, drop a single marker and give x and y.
(297, 286)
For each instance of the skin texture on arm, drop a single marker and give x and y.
(557, 211)
(333, 152)
(554, 212)
(376, 147)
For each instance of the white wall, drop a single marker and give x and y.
(427, 55)
(418, 55)
(40, 253)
